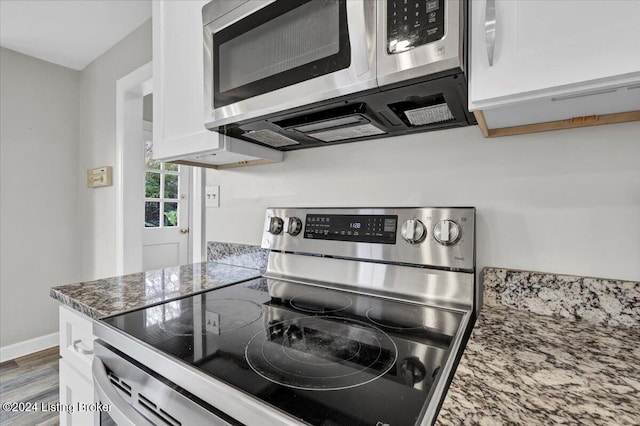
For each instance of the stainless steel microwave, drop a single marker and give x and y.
(292, 74)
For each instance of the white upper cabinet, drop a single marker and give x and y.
(178, 87)
(553, 59)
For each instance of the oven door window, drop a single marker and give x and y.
(284, 43)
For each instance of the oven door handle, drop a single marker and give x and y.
(120, 410)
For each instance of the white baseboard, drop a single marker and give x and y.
(29, 346)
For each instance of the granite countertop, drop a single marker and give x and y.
(109, 296)
(522, 366)
(546, 348)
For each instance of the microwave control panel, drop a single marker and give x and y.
(412, 23)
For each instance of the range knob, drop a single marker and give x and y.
(447, 232)
(413, 231)
(275, 225)
(294, 227)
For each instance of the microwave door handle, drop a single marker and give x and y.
(362, 14)
(490, 29)
(121, 412)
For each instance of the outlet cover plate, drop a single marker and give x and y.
(212, 196)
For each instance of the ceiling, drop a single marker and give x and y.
(71, 33)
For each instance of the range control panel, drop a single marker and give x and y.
(378, 229)
(412, 23)
(442, 237)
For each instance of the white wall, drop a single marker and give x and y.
(55, 123)
(98, 146)
(39, 238)
(564, 201)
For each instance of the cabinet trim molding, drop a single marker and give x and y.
(225, 166)
(570, 123)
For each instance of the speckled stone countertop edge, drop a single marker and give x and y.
(557, 274)
(80, 307)
(237, 254)
(119, 294)
(97, 314)
(611, 302)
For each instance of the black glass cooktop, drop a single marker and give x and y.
(323, 356)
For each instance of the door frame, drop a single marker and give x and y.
(128, 177)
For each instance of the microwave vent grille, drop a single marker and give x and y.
(271, 138)
(429, 115)
(350, 132)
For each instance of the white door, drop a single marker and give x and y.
(165, 238)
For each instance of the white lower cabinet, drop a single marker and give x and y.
(76, 381)
(76, 396)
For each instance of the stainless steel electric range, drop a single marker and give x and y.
(359, 319)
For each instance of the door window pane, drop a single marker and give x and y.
(149, 162)
(171, 186)
(152, 185)
(162, 189)
(151, 214)
(170, 214)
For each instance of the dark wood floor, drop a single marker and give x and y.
(31, 379)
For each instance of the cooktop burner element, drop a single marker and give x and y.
(321, 353)
(217, 317)
(320, 303)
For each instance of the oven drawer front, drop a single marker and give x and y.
(139, 398)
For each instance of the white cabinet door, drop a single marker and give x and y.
(76, 393)
(178, 93)
(178, 70)
(76, 340)
(552, 47)
(76, 381)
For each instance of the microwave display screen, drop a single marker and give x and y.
(380, 229)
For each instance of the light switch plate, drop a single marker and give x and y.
(212, 196)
